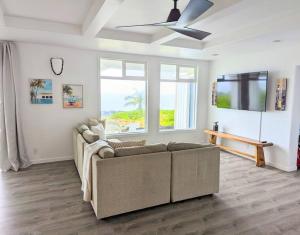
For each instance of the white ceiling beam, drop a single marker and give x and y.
(99, 14)
(41, 25)
(124, 36)
(186, 43)
(163, 36)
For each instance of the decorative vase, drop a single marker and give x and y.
(216, 126)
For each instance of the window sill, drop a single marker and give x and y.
(132, 134)
(179, 131)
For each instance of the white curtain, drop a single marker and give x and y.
(12, 149)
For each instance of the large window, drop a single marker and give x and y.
(123, 96)
(178, 95)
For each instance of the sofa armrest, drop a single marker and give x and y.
(195, 173)
(75, 133)
(81, 145)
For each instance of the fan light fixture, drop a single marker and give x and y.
(179, 22)
(57, 65)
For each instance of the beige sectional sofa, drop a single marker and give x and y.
(129, 183)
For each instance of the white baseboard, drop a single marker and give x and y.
(54, 159)
(282, 167)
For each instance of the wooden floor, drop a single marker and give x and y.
(46, 199)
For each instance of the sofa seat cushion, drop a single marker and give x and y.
(137, 150)
(90, 136)
(173, 146)
(122, 144)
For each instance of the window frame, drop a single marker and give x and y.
(129, 78)
(195, 80)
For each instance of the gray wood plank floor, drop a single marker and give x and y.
(46, 199)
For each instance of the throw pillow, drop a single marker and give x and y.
(81, 128)
(103, 122)
(90, 136)
(93, 122)
(122, 144)
(99, 130)
(106, 152)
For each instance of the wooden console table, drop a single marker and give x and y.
(259, 156)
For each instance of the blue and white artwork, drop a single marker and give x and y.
(41, 91)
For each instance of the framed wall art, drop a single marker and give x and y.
(214, 94)
(281, 93)
(72, 96)
(41, 91)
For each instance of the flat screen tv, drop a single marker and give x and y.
(245, 91)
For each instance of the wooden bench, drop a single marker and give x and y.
(259, 155)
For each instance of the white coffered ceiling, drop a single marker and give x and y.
(92, 24)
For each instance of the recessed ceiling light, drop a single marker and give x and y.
(277, 41)
(215, 54)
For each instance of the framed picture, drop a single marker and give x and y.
(281, 93)
(41, 91)
(214, 94)
(72, 96)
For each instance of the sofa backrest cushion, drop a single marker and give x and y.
(137, 150)
(90, 136)
(173, 146)
(122, 144)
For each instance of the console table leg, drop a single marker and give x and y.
(213, 139)
(260, 156)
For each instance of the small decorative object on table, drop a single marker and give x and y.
(72, 96)
(216, 126)
(281, 93)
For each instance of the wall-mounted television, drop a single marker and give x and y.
(244, 91)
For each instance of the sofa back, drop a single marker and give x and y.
(195, 173)
(124, 184)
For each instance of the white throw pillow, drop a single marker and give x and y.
(93, 122)
(100, 131)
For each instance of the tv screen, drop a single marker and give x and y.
(245, 91)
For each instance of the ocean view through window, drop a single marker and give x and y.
(123, 96)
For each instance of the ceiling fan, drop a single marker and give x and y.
(178, 22)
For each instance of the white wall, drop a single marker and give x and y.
(277, 127)
(47, 128)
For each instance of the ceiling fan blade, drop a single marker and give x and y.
(194, 9)
(194, 33)
(154, 24)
